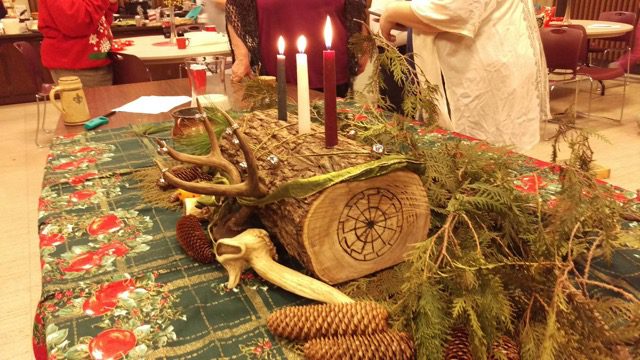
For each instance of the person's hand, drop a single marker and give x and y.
(386, 25)
(240, 69)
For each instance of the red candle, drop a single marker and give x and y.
(329, 67)
(282, 81)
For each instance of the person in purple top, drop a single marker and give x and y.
(255, 25)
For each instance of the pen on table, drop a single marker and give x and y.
(109, 113)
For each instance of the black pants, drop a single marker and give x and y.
(392, 91)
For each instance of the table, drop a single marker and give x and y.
(115, 280)
(597, 29)
(147, 49)
(101, 100)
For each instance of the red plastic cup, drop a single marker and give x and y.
(210, 28)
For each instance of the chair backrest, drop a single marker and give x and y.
(584, 49)
(621, 17)
(562, 48)
(32, 60)
(128, 69)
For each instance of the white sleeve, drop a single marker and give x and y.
(456, 16)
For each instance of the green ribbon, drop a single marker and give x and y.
(97, 56)
(301, 188)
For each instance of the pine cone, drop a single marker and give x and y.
(391, 345)
(458, 348)
(505, 346)
(191, 173)
(312, 321)
(193, 240)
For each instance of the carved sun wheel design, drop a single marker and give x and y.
(370, 224)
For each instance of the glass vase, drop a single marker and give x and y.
(172, 20)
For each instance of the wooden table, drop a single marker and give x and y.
(597, 29)
(102, 100)
(156, 50)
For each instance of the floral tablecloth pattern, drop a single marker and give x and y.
(116, 284)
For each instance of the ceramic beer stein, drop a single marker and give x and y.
(73, 104)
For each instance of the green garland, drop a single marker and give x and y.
(498, 261)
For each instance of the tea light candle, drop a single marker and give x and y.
(282, 81)
(329, 67)
(302, 71)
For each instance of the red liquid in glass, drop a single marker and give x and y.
(198, 79)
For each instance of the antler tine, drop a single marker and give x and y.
(251, 187)
(211, 133)
(253, 176)
(233, 190)
(213, 159)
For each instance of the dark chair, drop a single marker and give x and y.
(128, 69)
(594, 73)
(599, 74)
(621, 17)
(583, 59)
(562, 50)
(41, 80)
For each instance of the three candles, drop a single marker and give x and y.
(302, 71)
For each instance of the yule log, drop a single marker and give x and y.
(343, 212)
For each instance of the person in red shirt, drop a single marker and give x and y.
(77, 36)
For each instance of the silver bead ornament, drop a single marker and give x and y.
(162, 148)
(243, 165)
(273, 160)
(351, 134)
(378, 148)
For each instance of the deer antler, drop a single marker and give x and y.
(250, 187)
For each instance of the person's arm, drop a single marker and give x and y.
(242, 19)
(112, 9)
(85, 14)
(400, 13)
(242, 62)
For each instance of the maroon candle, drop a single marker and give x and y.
(282, 81)
(329, 67)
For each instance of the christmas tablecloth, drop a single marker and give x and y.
(115, 282)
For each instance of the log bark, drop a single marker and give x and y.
(348, 230)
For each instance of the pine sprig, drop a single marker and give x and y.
(418, 94)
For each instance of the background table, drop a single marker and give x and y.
(597, 29)
(145, 49)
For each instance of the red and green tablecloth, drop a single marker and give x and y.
(116, 283)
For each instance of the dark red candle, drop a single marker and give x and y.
(329, 67)
(282, 81)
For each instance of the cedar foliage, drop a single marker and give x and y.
(501, 262)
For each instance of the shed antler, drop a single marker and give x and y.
(250, 187)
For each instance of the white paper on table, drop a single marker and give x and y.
(153, 104)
